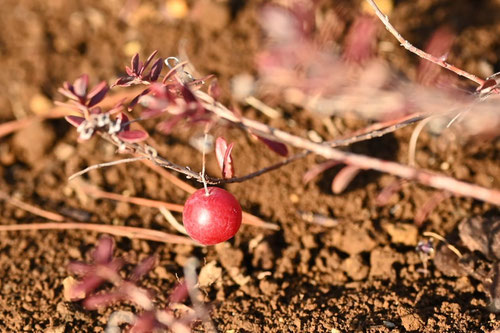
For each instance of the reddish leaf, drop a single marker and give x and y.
(155, 70)
(424, 211)
(214, 89)
(317, 169)
(224, 158)
(67, 91)
(146, 322)
(98, 93)
(80, 86)
(124, 81)
(344, 178)
(134, 101)
(278, 147)
(103, 253)
(150, 58)
(129, 71)
(180, 293)
(487, 84)
(360, 40)
(74, 120)
(166, 126)
(143, 268)
(133, 136)
(80, 268)
(94, 302)
(124, 120)
(153, 103)
(387, 192)
(134, 63)
(439, 45)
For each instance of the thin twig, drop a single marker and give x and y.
(97, 193)
(262, 107)
(107, 164)
(404, 43)
(172, 220)
(442, 239)
(30, 208)
(412, 145)
(424, 177)
(116, 230)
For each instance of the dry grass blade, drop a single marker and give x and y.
(99, 194)
(115, 230)
(30, 208)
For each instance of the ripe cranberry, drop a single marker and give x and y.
(213, 218)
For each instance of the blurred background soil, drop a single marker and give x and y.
(361, 275)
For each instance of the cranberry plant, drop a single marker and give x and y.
(294, 67)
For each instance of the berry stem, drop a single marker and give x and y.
(204, 160)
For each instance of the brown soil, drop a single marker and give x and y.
(362, 275)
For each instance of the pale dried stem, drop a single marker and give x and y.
(172, 220)
(412, 145)
(107, 164)
(121, 231)
(407, 45)
(30, 208)
(97, 194)
(424, 177)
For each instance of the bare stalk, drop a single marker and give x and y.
(424, 177)
(103, 165)
(116, 230)
(407, 45)
(30, 208)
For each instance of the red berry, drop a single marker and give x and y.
(213, 218)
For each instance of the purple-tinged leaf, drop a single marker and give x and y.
(146, 322)
(143, 268)
(150, 58)
(95, 302)
(387, 192)
(124, 81)
(214, 90)
(224, 158)
(134, 101)
(68, 93)
(133, 136)
(180, 293)
(166, 126)
(196, 84)
(95, 110)
(80, 86)
(188, 95)
(103, 253)
(344, 178)
(155, 70)
(134, 64)
(317, 169)
(424, 211)
(124, 120)
(151, 113)
(488, 84)
(88, 284)
(80, 268)
(278, 147)
(153, 103)
(74, 120)
(97, 94)
(141, 69)
(129, 71)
